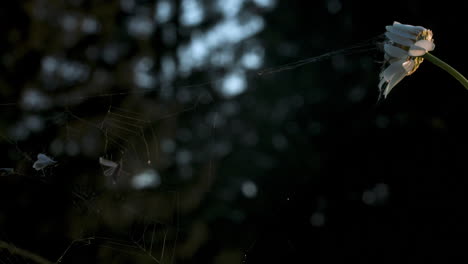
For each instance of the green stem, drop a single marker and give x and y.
(24, 253)
(447, 68)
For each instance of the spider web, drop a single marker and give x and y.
(121, 126)
(124, 132)
(148, 242)
(129, 136)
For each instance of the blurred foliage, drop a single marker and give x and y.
(212, 162)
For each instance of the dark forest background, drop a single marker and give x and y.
(298, 166)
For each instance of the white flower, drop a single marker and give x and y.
(43, 161)
(113, 169)
(404, 46)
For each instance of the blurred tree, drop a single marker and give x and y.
(212, 162)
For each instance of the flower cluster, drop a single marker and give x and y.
(404, 47)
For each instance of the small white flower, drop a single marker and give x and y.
(43, 161)
(113, 169)
(404, 46)
(6, 171)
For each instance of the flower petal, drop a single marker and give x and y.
(416, 51)
(389, 59)
(394, 74)
(408, 65)
(395, 80)
(395, 51)
(399, 39)
(426, 44)
(382, 84)
(393, 69)
(38, 165)
(107, 163)
(400, 32)
(43, 161)
(415, 30)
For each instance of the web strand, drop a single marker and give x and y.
(362, 47)
(357, 49)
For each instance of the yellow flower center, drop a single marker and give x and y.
(424, 35)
